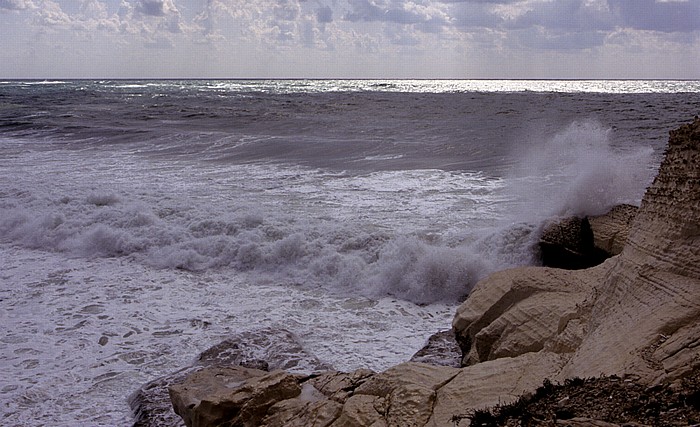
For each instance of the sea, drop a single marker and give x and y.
(142, 222)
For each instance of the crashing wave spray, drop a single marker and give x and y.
(579, 172)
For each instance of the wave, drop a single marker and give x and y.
(421, 235)
(373, 264)
(345, 257)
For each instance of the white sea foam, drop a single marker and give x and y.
(82, 334)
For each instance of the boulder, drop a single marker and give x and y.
(576, 243)
(568, 243)
(151, 403)
(262, 349)
(491, 383)
(234, 396)
(525, 310)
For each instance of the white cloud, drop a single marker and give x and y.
(459, 33)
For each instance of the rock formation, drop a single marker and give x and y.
(637, 313)
(568, 243)
(575, 243)
(441, 349)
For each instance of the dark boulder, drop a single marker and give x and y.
(575, 243)
(568, 244)
(440, 350)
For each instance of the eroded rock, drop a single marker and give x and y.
(611, 230)
(568, 243)
(233, 396)
(635, 313)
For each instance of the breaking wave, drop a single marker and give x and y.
(421, 235)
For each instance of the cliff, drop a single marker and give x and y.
(635, 314)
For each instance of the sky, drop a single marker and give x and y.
(465, 39)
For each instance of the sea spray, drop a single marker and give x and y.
(578, 172)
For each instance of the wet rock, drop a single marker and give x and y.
(576, 243)
(568, 244)
(151, 403)
(441, 350)
(232, 396)
(263, 350)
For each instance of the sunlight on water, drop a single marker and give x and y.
(424, 86)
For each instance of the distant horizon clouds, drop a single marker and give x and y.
(567, 39)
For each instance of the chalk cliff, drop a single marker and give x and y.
(637, 313)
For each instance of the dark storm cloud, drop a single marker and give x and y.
(152, 7)
(574, 24)
(669, 16)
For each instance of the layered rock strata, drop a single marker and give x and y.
(637, 313)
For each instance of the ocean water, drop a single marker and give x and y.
(142, 222)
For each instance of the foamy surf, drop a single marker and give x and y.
(96, 329)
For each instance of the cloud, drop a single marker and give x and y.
(286, 10)
(152, 7)
(471, 14)
(576, 15)
(16, 4)
(546, 39)
(663, 16)
(429, 17)
(49, 13)
(481, 1)
(463, 32)
(324, 14)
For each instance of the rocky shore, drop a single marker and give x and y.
(634, 317)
